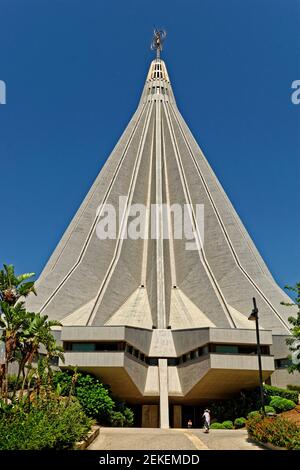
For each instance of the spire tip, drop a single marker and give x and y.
(159, 36)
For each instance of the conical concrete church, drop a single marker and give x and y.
(165, 325)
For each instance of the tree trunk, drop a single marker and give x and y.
(2, 375)
(23, 383)
(17, 382)
(6, 376)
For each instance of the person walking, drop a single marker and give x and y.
(206, 416)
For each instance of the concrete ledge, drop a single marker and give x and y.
(94, 359)
(93, 333)
(188, 339)
(91, 436)
(240, 361)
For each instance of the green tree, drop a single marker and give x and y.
(23, 332)
(294, 341)
(36, 332)
(53, 351)
(11, 319)
(13, 287)
(12, 315)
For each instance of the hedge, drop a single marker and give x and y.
(281, 392)
(296, 388)
(227, 424)
(217, 426)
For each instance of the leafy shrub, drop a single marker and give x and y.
(117, 418)
(295, 443)
(281, 392)
(95, 399)
(227, 424)
(127, 415)
(253, 414)
(93, 396)
(295, 388)
(269, 409)
(240, 423)
(14, 382)
(240, 405)
(5, 407)
(281, 404)
(217, 426)
(46, 425)
(232, 408)
(278, 431)
(246, 401)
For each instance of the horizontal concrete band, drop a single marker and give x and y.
(134, 380)
(164, 343)
(217, 361)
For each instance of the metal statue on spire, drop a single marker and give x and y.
(157, 41)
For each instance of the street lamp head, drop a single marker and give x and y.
(254, 313)
(252, 316)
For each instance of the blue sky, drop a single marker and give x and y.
(74, 72)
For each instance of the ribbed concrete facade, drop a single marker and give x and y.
(152, 299)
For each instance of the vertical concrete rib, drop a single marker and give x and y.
(163, 393)
(161, 305)
(169, 216)
(197, 235)
(123, 224)
(147, 224)
(227, 237)
(97, 218)
(93, 189)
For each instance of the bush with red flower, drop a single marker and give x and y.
(274, 430)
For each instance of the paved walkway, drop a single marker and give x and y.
(171, 439)
(226, 439)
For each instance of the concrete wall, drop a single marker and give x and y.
(281, 378)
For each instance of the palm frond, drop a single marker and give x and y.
(27, 288)
(22, 277)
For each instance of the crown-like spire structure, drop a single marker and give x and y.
(157, 41)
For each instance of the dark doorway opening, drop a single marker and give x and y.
(193, 413)
(137, 410)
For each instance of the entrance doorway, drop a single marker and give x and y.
(193, 413)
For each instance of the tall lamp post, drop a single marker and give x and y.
(254, 317)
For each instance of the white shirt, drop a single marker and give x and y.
(207, 417)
